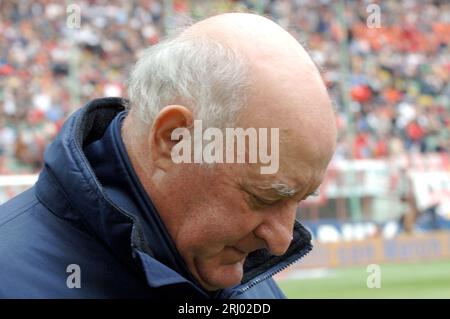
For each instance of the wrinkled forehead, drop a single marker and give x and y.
(302, 113)
(302, 159)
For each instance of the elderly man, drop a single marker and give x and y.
(113, 215)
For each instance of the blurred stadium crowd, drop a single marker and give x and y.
(398, 74)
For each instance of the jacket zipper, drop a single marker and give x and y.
(275, 271)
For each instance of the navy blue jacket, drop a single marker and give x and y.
(87, 229)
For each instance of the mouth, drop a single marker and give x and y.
(240, 251)
(236, 255)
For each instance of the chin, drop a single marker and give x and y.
(220, 277)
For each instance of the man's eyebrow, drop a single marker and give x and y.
(281, 188)
(285, 190)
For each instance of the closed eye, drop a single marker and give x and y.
(259, 202)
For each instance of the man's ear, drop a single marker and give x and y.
(160, 141)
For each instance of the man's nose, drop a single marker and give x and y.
(276, 230)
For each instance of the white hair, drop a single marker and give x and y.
(204, 75)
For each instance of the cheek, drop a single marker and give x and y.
(211, 212)
(219, 220)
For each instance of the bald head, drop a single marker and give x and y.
(252, 35)
(286, 89)
(261, 41)
(242, 70)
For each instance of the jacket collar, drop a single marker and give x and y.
(112, 167)
(69, 188)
